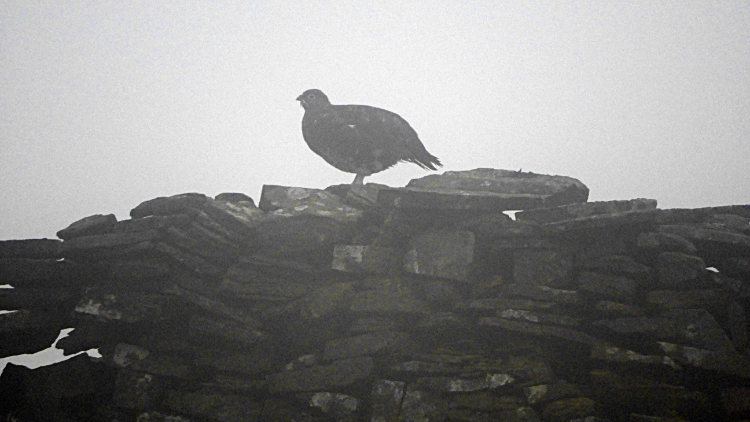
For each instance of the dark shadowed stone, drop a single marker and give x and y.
(490, 227)
(485, 401)
(550, 190)
(736, 267)
(226, 330)
(611, 308)
(567, 409)
(286, 201)
(185, 203)
(420, 405)
(209, 303)
(694, 327)
(584, 209)
(600, 222)
(149, 416)
(655, 243)
(722, 361)
(680, 271)
(123, 305)
(741, 210)
(390, 295)
(713, 242)
(136, 358)
(304, 361)
(205, 243)
(31, 249)
(338, 374)
(248, 361)
(465, 385)
(385, 399)
(90, 334)
(537, 317)
(339, 407)
(234, 383)
(184, 258)
(234, 198)
(729, 222)
(737, 324)
(540, 330)
(544, 393)
(107, 244)
(94, 224)
(447, 254)
(288, 410)
(683, 215)
(592, 246)
(380, 342)
(305, 234)
(254, 278)
(369, 325)
(632, 393)
(152, 223)
(214, 405)
(24, 319)
(38, 273)
(736, 400)
(366, 259)
(610, 286)
(551, 268)
(43, 389)
(137, 390)
(615, 354)
(436, 322)
(619, 265)
(233, 218)
(323, 301)
(36, 298)
(491, 305)
(672, 299)
(543, 293)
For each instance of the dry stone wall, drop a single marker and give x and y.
(370, 303)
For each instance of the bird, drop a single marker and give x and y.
(360, 139)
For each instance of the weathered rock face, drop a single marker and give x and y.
(370, 303)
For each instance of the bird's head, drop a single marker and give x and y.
(313, 98)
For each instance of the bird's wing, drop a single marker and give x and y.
(376, 127)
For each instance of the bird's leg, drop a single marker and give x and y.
(359, 180)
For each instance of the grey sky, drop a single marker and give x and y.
(107, 104)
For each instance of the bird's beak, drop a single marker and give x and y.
(301, 100)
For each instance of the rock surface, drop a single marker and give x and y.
(371, 303)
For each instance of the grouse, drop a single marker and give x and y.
(360, 139)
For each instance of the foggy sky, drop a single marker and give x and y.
(104, 105)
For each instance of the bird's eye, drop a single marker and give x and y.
(311, 96)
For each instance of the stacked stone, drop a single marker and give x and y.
(426, 303)
(44, 291)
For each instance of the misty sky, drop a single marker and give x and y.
(106, 104)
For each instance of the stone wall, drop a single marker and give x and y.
(424, 303)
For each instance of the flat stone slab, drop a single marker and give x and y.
(554, 190)
(31, 249)
(94, 224)
(721, 361)
(692, 327)
(366, 259)
(709, 240)
(320, 378)
(290, 201)
(367, 344)
(599, 222)
(446, 254)
(539, 330)
(586, 209)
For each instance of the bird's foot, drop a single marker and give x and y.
(359, 180)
